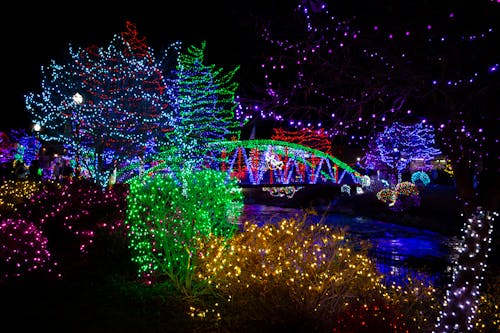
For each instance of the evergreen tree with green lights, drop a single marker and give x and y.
(107, 106)
(205, 104)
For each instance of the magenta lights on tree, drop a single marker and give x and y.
(23, 250)
(104, 104)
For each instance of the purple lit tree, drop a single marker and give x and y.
(318, 73)
(8, 148)
(104, 105)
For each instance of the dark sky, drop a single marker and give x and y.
(34, 34)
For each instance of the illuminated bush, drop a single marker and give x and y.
(15, 192)
(420, 176)
(405, 196)
(167, 214)
(387, 196)
(70, 214)
(74, 211)
(288, 273)
(488, 313)
(23, 250)
(406, 188)
(309, 277)
(407, 308)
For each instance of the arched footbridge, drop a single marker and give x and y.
(271, 163)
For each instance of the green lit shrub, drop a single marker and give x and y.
(167, 214)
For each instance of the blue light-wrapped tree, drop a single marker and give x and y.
(399, 144)
(106, 105)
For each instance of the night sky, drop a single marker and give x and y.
(35, 34)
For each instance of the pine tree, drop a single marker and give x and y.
(204, 101)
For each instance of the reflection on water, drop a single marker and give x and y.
(399, 251)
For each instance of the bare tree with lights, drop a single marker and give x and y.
(401, 62)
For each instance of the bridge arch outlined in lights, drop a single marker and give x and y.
(272, 162)
(265, 162)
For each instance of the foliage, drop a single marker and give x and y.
(294, 274)
(23, 250)
(420, 176)
(69, 214)
(14, 193)
(387, 195)
(166, 215)
(105, 105)
(403, 197)
(398, 145)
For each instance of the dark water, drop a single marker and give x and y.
(399, 251)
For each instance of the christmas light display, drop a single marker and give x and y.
(23, 250)
(104, 105)
(318, 139)
(14, 192)
(203, 96)
(463, 293)
(306, 275)
(167, 214)
(282, 191)
(420, 176)
(345, 189)
(436, 67)
(400, 144)
(279, 162)
(403, 196)
(388, 196)
(316, 76)
(87, 106)
(71, 213)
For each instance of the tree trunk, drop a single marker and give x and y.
(462, 297)
(480, 199)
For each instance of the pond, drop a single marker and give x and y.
(399, 251)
